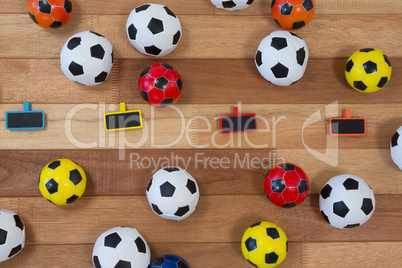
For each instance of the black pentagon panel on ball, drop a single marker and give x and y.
(44, 6)
(181, 264)
(324, 216)
(132, 32)
(286, 9)
(298, 25)
(279, 43)
(153, 50)
(349, 65)
(289, 205)
(288, 167)
(370, 67)
(18, 222)
(145, 71)
(308, 5)
(271, 258)
(383, 81)
(359, 85)
(33, 18)
(394, 140)
(277, 22)
(366, 49)
(351, 184)
(166, 102)
(56, 24)
(101, 77)
(95, 33)
(273, 3)
(68, 6)
(280, 71)
(72, 199)
(340, 209)
(73, 43)
(258, 58)
(387, 60)
(228, 4)
(52, 186)
(123, 264)
(3, 236)
(75, 176)
(176, 38)
(351, 225)
(171, 169)
(54, 165)
(158, 261)
(367, 206)
(96, 262)
(14, 251)
(302, 187)
(273, 233)
(255, 265)
(167, 189)
(181, 211)
(97, 51)
(144, 95)
(142, 8)
(149, 184)
(278, 185)
(300, 56)
(191, 186)
(75, 68)
(112, 240)
(255, 224)
(169, 12)
(251, 244)
(249, 2)
(295, 35)
(155, 26)
(179, 84)
(156, 209)
(140, 245)
(167, 66)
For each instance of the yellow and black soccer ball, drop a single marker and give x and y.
(62, 182)
(368, 70)
(264, 244)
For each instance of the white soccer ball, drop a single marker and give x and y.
(232, 5)
(12, 234)
(282, 58)
(346, 201)
(87, 58)
(396, 149)
(173, 193)
(153, 29)
(121, 247)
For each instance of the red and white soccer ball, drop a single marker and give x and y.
(160, 85)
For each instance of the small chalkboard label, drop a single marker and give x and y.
(26, 119)
(347, 126)
(237, 122)
(123, 119)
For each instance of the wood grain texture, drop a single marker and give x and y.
(206, 36)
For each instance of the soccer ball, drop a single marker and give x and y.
(396, 150)
(51, 14)
(160, 85)
(121, 247)
(264, 244)
(346, 201)
(173, 193)
(368, 70)
(281, 58)
(153, 29)
(286, 185)
(232, 5)
(12, 234)
(87, 58)
(292, 14)
(169, 261)
(62, 182)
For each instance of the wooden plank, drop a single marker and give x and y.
(196, 126)
(205, 81)
(198, 255)
(203, 39)
(205, 7)
(234, 171)
(369, 254)
(231, 215)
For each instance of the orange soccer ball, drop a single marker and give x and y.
(292, 14)
(51, 14)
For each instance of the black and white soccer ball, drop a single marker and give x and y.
(121, 247)
(282, 58)
(396, 147)
(232, 5)
(173, 193)
(87, 58)
(153, 29)
(12, 234)
(346, 201)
